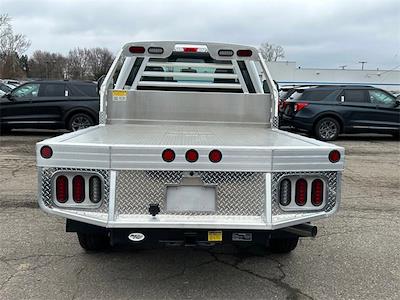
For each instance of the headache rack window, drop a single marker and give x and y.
(182, 72)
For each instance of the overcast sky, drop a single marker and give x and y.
(314, 33)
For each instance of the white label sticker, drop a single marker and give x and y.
(119, 95)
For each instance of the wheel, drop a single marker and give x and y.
(283, 245)
(327, 129)
(93, 242)
(80, 121)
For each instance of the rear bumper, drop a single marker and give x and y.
(187, 236)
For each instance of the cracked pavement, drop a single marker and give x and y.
(355, 255)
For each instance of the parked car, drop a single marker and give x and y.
(50, 104)
(327, 111)
(5, 88)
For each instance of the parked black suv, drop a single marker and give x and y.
(50, 104)
(327, 111)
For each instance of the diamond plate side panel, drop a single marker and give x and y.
(331, 180)
(238, 193)
(102, 117)
(46, 174)
(275, 122)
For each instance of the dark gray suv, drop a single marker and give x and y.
(327, 111)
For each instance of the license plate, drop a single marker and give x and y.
(191, 198)
(215, 236)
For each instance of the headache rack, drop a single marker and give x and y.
(208, 68)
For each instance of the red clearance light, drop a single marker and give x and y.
(317, 192)
(192, 155)
(62, 189)
(244, 53)
(46, 152)
(301, 192)
(225, 52)
(136, 49)
(190, 49)
(78, 189)
(168, 155)
(334, 156)
(215, 156)
(299, 106)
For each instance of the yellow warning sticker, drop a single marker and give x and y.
(215, 236)
(119, 95)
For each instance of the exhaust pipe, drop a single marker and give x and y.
(304, 230)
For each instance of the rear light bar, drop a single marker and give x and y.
(190, 48)
(87, 189)
(298, 188)
(168, 155)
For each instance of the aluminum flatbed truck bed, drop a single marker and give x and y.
(187, 151)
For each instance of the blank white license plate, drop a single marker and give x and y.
(191, 198)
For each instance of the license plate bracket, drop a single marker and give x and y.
(191, 198)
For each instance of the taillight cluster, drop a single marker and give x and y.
(78, 189)
(301, 193)
(191, 155)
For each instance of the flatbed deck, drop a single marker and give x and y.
(133, 145)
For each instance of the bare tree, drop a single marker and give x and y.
(44, 64)
(100, 60)
(88, 64)
(271, 52)
(12, 46)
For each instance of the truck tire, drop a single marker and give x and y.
(327, 129)
(284, 245)
(93, 242)
(79, 121)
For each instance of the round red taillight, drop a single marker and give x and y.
(168, 155)
(46, 152)
(215, 156)
(192, 155)
(334, 156)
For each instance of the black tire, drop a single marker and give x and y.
(79, 121)
(284, 245)
(327, 129)
(93, 242)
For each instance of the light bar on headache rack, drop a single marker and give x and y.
(191, 48)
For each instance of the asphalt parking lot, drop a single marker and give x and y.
(355, 255)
